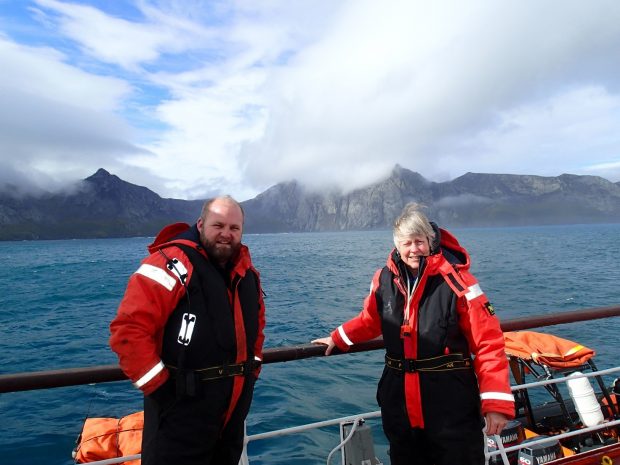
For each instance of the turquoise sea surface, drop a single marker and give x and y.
(58, 298)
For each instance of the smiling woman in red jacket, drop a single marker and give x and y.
(434, 396)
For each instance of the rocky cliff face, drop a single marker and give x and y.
(470, 200)
(105, 206)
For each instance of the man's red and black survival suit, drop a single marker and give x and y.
(431, 393)
(188, 334)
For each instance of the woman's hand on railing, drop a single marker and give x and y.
(328, 341)
(495, 423)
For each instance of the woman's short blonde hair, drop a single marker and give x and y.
(412, 222)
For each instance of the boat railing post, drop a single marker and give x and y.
(244, 460)
(500, 446)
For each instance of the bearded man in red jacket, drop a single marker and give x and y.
(189, 334)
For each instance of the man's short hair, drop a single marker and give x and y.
(207, 205)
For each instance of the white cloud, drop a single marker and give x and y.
(119, 41)
(42, 72)
(236, 96)
(560, 134)
(55, 118)
(412, 84)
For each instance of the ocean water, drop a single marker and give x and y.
(58, 298)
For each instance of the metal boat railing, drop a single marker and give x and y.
(110, 373)
(501, 451)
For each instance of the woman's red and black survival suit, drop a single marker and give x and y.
(188, 335)
(431, 393)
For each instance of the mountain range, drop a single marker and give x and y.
(104, 205)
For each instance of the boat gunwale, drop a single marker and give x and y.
(14, 382)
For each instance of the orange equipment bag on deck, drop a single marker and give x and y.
(106, 438)
(546, 349)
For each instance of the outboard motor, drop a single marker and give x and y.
(538, 454)
(512, 434)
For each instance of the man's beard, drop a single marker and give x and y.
(219, 252)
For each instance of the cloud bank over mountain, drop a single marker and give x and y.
(196, 98)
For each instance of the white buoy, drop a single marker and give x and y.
(583, 396)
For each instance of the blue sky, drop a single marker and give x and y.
(194, 98)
